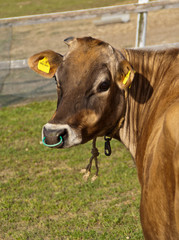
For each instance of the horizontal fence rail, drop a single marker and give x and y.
(18, 84)
(13, 64)
(89, 13)
(18, 64)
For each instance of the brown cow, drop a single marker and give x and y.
(100, 87)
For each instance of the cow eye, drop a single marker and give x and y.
(104, 86)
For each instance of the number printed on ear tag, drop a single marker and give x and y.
(44, 65)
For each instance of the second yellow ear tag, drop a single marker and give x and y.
(126, 77)
(44, 65)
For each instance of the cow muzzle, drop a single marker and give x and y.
(60, 136)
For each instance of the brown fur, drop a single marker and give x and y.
(150, 109)
(153, 130)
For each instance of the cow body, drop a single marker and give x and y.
(152, 133)
(98, 87)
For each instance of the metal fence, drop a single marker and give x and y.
(21, 37)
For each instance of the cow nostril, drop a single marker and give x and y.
(62, 134)
(53, 137)
(44, 130)
(60, 138)
(60, 143)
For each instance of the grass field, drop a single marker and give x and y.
(43, 194)
(13, 8)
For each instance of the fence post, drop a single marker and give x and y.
(141, 27)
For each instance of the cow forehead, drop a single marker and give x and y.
(87, 49)
(82, 62)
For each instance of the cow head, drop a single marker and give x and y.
(91, 80)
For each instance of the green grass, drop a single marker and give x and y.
(13, 8)
(43, 194)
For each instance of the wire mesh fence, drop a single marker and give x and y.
(18, 42)
(18, 85)
(22, 85)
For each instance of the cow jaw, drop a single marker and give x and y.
(52, 132)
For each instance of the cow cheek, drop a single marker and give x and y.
(90, 119)
(83, 119)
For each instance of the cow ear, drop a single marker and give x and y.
(45, 63)
(69, 41)
(125, 75)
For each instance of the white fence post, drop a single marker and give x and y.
(141, 27)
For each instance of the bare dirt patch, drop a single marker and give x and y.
(162, 28)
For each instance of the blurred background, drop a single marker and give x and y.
(20, 38)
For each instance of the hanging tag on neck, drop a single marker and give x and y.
(107, 146)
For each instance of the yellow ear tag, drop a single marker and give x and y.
(44, 65)
(126, 77)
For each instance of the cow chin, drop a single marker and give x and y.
(52, 134)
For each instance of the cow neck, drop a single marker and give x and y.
(114, 131)
(116, 128)
(137, 104)
(107, 150)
